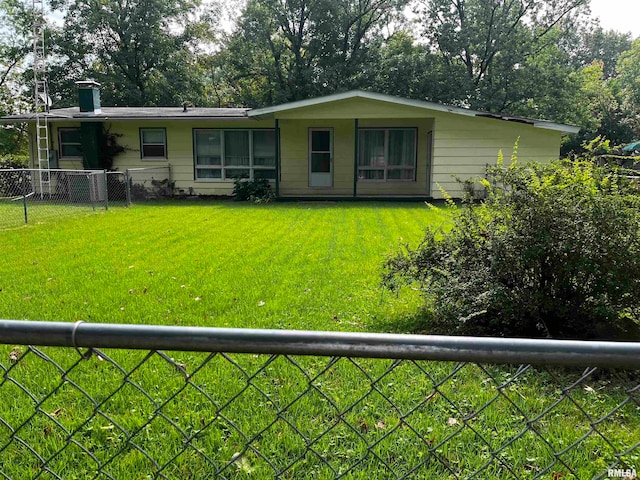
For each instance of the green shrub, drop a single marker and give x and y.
(14, 161)
(257, 190)
(553, 251)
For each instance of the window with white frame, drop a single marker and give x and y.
(387, 154)
(153, 143)
(230, 154)
(70, 141)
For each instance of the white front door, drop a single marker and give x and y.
(321, 157)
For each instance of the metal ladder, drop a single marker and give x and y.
(41, 99)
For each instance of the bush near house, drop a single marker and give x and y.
(554, 251)
(257, 190)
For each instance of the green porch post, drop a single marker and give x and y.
(356, 154)
(277, 158)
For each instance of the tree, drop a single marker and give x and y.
(489, 45)
(592, 43)
(407, 69)
(627, 85)
(142, 51)
(598, 110)
(15, 45)
(290, 50)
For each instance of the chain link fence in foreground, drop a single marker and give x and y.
(124, 401)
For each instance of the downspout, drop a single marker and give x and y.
(356, 154)
(277, 158)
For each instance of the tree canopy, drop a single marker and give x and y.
(291, 50)
(142, 51)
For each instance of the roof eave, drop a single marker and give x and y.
(57, 119)
(568, 129)
(270, 112)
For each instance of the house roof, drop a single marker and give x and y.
(135, 113)
(269, 111)
(177, 113)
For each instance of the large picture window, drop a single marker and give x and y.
(387, 154)
(153, 143)
(230, 154)
(70, 140)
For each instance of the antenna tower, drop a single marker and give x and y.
(41, 97)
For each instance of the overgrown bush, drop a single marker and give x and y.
(14, 183)
(257, 190)
(554, 251)
(14, 161)
(158, 189)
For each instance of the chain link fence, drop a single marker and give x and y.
(122, 401)
(150, 183)
(118, 189)
(31, 195)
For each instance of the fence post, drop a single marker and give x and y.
(24, 196)
(91, 192)
(106, 191)
(127, 187)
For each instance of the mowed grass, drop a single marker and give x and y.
(12, 214)
(302, 266)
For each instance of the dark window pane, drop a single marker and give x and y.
(208, 173)
(208, 160)
(70, 142)
(264, 161)
(236, 147)
(153, 135)
(208, 147)
(71, 150)
(371, 174)
(70, 135)
(236, 173)
(320, 162)
(402, 145)
(270, 174)
(153, 151)
(264, 148)
(372, 148)
(320, 141)
(400, 174)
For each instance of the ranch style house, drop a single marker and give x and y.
(354, 144)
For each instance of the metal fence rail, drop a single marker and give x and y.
(135, 401)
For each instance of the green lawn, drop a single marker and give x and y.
(12, 213)
(301, 266)
(306, 266)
